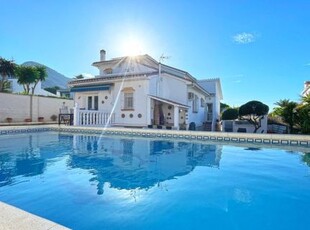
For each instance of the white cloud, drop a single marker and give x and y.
(308, 64)
(244, 38)
(87, 75)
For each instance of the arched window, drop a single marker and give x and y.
(108, 70)
(128, 96)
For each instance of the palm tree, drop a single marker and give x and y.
(303, 118)
(7, 87)
(6, 69)
(80, 76)
(303, 114)
(42, 76)
(306, 99)
(287, 111)
(27, 75)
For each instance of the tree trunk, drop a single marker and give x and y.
(33, 88)
(256, 128)
(27, 89)
(2, 83)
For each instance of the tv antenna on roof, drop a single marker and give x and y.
(163, 57)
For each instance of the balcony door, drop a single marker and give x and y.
(92, 102)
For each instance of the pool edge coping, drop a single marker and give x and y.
(12, 217)
(277, 140)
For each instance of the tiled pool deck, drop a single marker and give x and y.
(13, 218)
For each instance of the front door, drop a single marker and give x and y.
(209, 111)
(159, 118)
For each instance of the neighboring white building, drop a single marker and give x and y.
(141, 92)
(65, 93)
(244, 126)
(213, 86)
(17, 88)
(306, 90)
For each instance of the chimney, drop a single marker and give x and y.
(102, 55)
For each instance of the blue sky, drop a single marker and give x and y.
(260, 49)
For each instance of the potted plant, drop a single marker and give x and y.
(9, 119)
(40, 119)
(28, 120)
(53, 117)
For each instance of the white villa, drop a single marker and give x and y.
(142, 92)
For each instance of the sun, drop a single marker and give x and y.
(132, 47)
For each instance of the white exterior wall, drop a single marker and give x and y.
(213, 87)
(250, 128)
(109, 101)
(152, 85)
(169, 88)
(200, 116)
(19, 107)
(216, 107)
(105, 99)
(140, 103)
(217, 103)
(173, 89)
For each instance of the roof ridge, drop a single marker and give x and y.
(209, 79)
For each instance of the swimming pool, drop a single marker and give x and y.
(116, 182)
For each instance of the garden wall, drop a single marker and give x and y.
(21, 107)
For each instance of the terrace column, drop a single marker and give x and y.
(76, 115)
(148, 111)
(176, 120)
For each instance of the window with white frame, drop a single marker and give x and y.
(128, 100)
(190, 96)
(202, 102)
(195, 104)
(92, 102)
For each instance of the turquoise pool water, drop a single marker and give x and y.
(122, 183)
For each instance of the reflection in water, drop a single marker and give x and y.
(123, 163)
(139, 164)
(252, 149)
(120, 162)
(25, 161)
(58, 176)
(6, 170)
(306, 158)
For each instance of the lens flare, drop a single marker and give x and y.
(132, 47)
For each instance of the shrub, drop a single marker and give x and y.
(53, 117)
(230, 114)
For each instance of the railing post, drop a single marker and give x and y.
(92, 118)
(76, 119)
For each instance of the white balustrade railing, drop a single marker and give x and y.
(93, 118)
